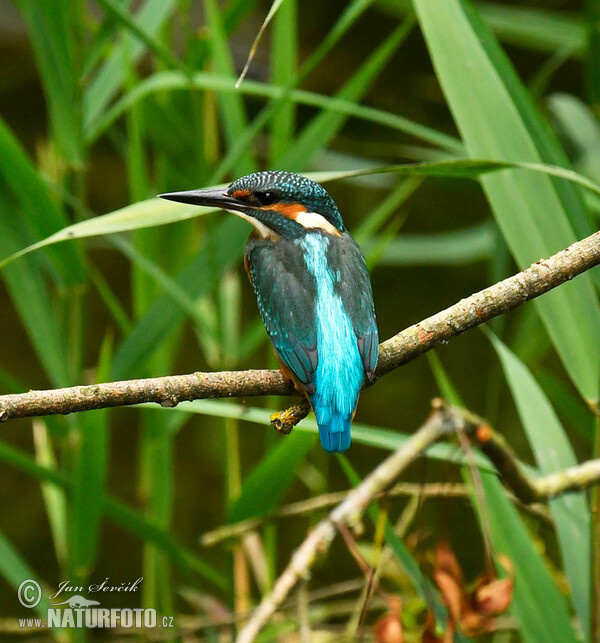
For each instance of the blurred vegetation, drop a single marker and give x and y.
(108, 102)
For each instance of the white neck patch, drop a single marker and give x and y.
(312, 220)
(264, 232)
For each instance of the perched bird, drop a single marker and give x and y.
(312, 288)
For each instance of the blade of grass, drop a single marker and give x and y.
(272, 11)
(103, 32)
(537, 603)
(172, 80)
(15, 570)
(88, 482)
(140, 215)
(40, 212)
(283, 67)
(150, 17)
(501, 522)
(349, 15)
(155, 212)
(361, 433)
(535, 28)
(49, 27)
(568, 404)
(138, 29)
(164, 316)
(32, 300)
(55, 501)
(476, 243)
(553, 452)
(326, 124)
(379, 216)
(157, 482)
(233, 112)
(120, 514)
(579, 126)
(537, 216)
(170, 286)
(264, 487)
(532, 28)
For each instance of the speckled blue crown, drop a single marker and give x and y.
(292, 188)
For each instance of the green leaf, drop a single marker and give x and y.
(361, 433)
(55, 499)
(15, 570)
(154, 212)
(121, 515)
(165, 314)
(264, 487)
(272, 11)
(532, 28)
(40, 211)
(31, 299)
(150, 268)
(326, 124)
(535, 28)
(579, 127)
(51, 35)
(173, 80)
(537, 603)
(283, 67)
(498, 507)
(151, 17)
(233, 112)
(536, 214)
(139, 30)
(88, 480)
(553, 453)
(144, 214)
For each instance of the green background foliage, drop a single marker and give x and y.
(106, 103)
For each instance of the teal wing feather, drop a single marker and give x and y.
(285, 293)
(354, 289)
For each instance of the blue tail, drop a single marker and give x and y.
(334, 432)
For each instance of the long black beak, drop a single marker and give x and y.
(210, 198)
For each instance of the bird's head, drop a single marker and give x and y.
(278, 204)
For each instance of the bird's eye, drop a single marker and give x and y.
(266, 198)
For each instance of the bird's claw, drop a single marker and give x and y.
(285, 421)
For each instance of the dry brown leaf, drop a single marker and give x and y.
(472, 611)
(388, 628)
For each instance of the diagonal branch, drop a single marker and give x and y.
(541, 277)
(443, 421)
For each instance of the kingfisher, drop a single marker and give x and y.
(312, 287)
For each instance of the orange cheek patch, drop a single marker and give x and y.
(240, 194)
(289, 210)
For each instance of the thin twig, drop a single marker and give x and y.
(541, 277)
(486, 527)
(326, 500)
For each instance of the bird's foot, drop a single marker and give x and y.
(285, 421)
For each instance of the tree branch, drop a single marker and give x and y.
(541, 277)
(444, 420)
